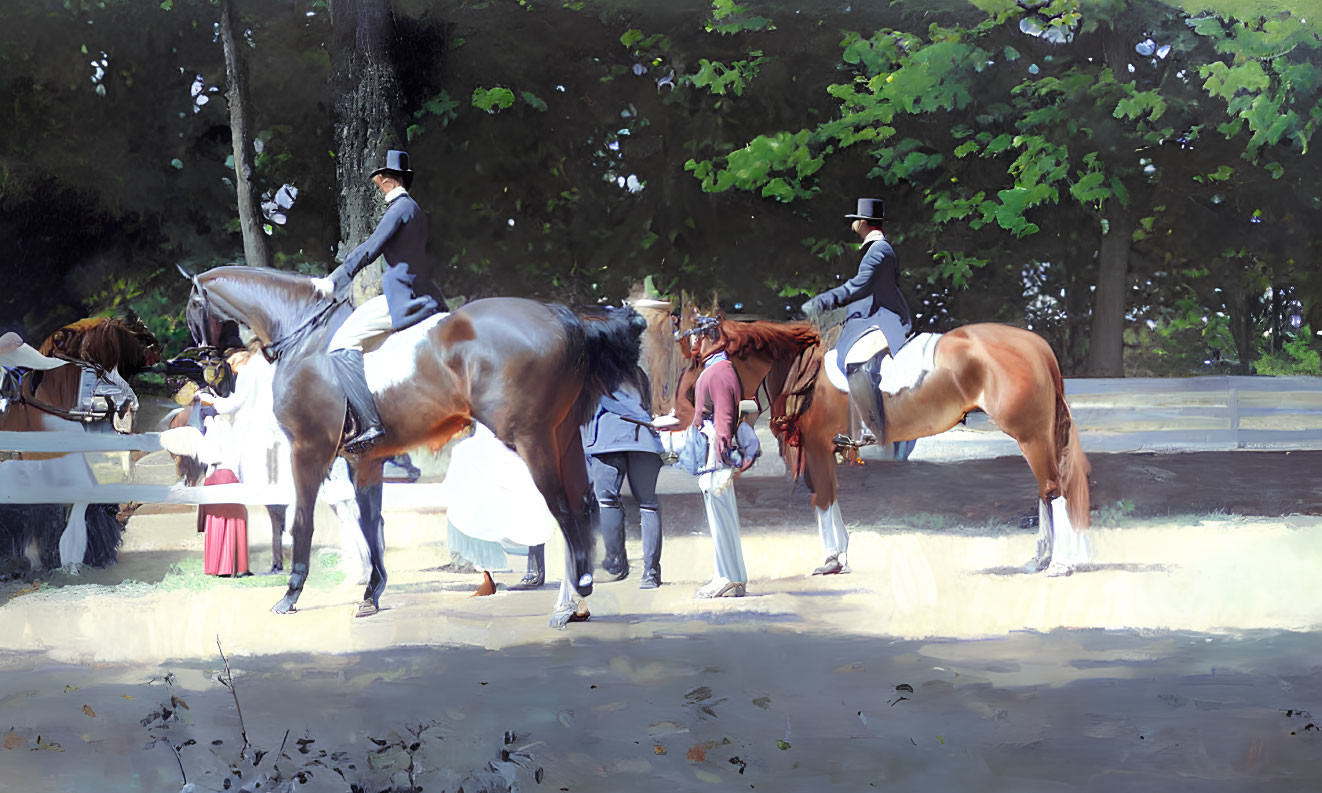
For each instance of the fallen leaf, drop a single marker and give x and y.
(178, 702)
(128, 696)
(67, 689)
(88, 710)
(782, 745)
(611, 706)
(658, 749)
(696, 754)
(904, 687)
(707, 776)
(698, 694)
(763, 702)
(13, 740)
(42, 743)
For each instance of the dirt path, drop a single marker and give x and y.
(1184, 659)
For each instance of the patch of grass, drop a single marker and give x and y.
(187, 575)
(1112, 515)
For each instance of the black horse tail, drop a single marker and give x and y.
(605, 345)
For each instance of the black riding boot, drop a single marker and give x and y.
(864, 379)
(348, 366)
(536, 575)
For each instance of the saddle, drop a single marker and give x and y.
(895, 371)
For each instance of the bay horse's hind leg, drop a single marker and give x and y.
(559, 469)
(277, 514)
(310, 464)
(369, 487)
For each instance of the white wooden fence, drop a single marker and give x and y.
(1217, 413)
(21, 481)
(1113, 415)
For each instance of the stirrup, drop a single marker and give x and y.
(843, 442)
(364, 440)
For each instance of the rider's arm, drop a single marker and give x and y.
(396, 215)
(853, 289)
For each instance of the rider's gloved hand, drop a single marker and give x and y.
(325, 286)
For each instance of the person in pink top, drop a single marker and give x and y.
(716, 415)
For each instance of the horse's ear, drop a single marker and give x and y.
(183, 272)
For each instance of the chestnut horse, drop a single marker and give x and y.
(46, 400)
(1009, 373)
(530, 371)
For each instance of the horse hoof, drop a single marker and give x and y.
(366, 609)
(560, 618)
(584, 586)
(1034, 566)
(284, 607)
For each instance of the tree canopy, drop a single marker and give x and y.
(1134, 180)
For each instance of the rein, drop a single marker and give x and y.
(276, 347)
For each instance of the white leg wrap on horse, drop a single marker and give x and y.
(1067, 546)
(566, 601)
(831, 528)
(73, 541)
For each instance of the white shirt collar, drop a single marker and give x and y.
(872, 236)
(396, 193)
(719, 355)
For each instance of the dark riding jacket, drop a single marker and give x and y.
(875, 286)
(401, 237)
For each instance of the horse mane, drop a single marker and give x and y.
(778, 340)
(104, 341)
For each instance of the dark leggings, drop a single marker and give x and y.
(608, 472)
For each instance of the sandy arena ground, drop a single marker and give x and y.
(1185, 658)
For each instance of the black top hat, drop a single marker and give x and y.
(397, 161)
(869, 209)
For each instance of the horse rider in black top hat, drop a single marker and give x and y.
(874, 300)
(401, 237)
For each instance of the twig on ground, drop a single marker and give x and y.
(228, 682)
(178, 759)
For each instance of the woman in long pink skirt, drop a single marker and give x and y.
(225, 544)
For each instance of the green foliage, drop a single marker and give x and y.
(492, 100)
(1295, 357)
(729, 17)
(719, 78)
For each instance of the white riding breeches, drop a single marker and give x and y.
(370, 319)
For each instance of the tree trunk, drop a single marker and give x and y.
(1239, 308)
(368, 120)
(255, 250)
(1106, 353)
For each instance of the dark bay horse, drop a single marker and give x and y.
(1009, 373)
(530, 371)
(49, 401)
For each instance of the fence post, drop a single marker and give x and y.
(1232, 402)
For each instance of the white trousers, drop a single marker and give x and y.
(370, 319)
(722, 516)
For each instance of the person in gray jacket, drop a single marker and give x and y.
(620, 444)
(874, 300)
